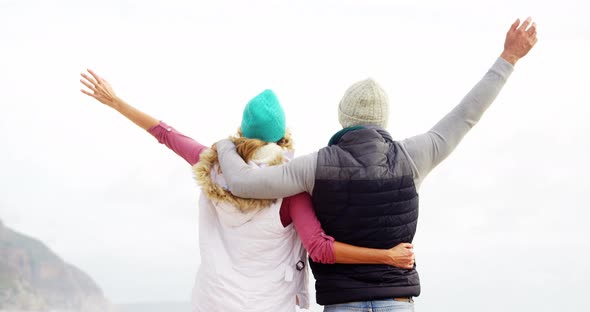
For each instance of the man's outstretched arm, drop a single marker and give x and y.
(429, 149)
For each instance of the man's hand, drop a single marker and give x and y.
(402, 256)
(519, 40)
(101, 89)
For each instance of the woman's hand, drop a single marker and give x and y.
(99, 88)
(401, 256)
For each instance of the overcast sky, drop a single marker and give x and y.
(503, 221)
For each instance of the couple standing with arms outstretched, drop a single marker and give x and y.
(353, 205)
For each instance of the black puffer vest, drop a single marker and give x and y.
(364, 195)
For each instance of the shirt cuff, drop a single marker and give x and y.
(160, 126)
(503, 68)
(327, 237)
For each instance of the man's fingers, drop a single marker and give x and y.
(515, 25)
(407, 245)
(532, 30)
(89, 86)
(525, 24)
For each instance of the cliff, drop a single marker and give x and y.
(33, 278)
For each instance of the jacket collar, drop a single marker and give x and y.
(338, 136)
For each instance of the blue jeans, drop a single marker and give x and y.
(386, 305)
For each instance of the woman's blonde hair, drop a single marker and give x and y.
(246, 148)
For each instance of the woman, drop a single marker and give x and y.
(253, 256)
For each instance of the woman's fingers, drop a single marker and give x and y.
(90, 80)
(88, 85)
(96, 77)
(408, 245)
(87, 93)
(412, 261)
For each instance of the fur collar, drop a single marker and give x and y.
(209, 177)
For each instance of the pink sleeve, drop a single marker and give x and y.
(182, 145)
(319, 245)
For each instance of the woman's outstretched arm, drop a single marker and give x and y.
(182, 145)
(102, 91)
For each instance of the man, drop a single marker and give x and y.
(364, 184)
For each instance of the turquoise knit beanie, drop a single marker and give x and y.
(264, 118)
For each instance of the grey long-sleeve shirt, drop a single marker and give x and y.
(425, 151)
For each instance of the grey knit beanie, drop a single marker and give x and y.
(364, 103)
